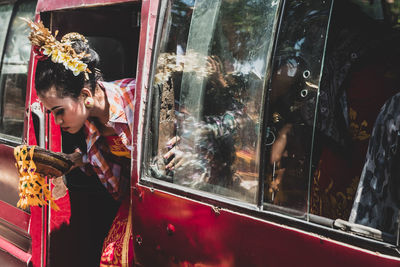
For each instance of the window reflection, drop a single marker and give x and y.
(13, 77)
(209, 86)
(5, 15)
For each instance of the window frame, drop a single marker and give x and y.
(185, 191)
(6, 138)
(3, 137)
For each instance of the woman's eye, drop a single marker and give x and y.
(59, 112)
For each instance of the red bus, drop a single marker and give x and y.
(252, 122)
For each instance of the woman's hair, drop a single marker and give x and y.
(49, 74)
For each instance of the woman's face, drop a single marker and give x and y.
(68, 112)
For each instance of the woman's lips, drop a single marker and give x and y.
(65, 128)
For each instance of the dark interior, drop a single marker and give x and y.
(113, 31)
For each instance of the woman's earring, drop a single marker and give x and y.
(89, 102)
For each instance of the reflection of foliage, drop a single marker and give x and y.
(181, 13)
(394, 8)
(245, 16)
(300, 34)
(169, 63)
(246, 24)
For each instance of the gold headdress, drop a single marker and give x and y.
(47, 46)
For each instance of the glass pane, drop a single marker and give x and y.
(5, 15)
(208, 95)
(293, 99)
(13, 77)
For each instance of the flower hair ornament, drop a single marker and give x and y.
(45, 45)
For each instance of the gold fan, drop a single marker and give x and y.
(34, 165)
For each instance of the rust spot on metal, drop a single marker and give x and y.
(216, 210)
(170, 229)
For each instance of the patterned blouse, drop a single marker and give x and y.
(120, 95)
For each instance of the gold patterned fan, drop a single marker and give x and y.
(34, 166)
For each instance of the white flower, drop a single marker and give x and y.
(56, 56)
(46, 50)
(77, 66)
(67, 61)
(71, 63)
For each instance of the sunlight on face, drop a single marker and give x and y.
(68, 112)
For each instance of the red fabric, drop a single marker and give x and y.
(118, 245)
(39, 54)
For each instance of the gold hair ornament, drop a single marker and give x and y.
(33, 188)
(46, 45)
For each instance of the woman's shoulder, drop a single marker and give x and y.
(123, 84)
(124, 88)
(120, 92)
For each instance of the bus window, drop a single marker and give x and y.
(293, 99)
(14, 70)
(5, 15)
(208, 95)
(325, 99)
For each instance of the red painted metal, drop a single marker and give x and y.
(147, 29)
(9, 180)
(15, 251)
(17, 217)
(29, 131)
(36, 220)
(225, 238)
(45, 5)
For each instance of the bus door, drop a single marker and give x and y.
(200, 193)
(73, 236)
(229, 132)
(15, 236)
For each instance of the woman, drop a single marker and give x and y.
(69, 84)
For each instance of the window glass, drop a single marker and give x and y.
(332, 139)
(208, 95)
(13, 77)
(293, 100)
(5, 15)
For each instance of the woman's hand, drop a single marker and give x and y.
(76, 158)
(173, 155)
(278, 151)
